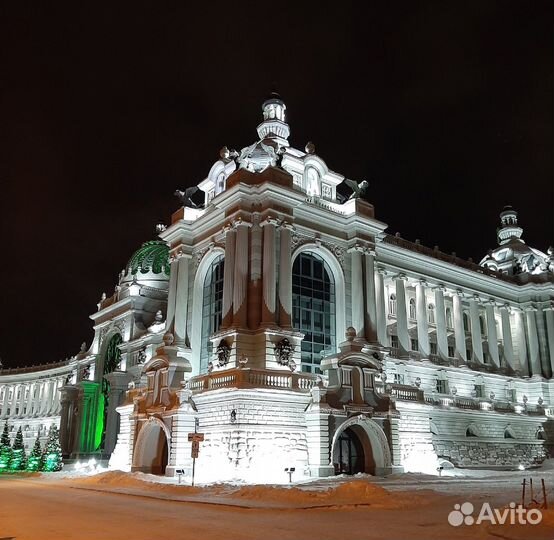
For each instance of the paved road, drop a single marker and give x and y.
(38, 510)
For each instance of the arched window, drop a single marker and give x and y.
(482, 325)
(431, 313)
(212, 308)
(392, 304)
(412, 309)
(471, 431)
(466, 322)
(313, 307)
(509, 433)
(449, 318)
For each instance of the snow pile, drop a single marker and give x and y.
(352, 492)
(355, 492)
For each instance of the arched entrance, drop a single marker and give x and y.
(151, 449)
(361, 446)
(349, 455)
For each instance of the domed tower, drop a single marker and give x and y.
(149, 266)
(274, 125)
(513, 256)
(509, 228)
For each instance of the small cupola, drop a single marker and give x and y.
(508, 226)
(274, 125)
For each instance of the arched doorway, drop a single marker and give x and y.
(151, 450)
(360, 446)
(351, 455)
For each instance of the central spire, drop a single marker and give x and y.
(274, 125)
(509, 228)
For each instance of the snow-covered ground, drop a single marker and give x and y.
(114, 505)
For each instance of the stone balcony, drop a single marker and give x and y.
(253, 378)
(402, 392)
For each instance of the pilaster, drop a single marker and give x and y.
(422, 323)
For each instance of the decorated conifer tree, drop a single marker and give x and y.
(33, 463)
(51, 460)
(5, 449)
(19, 459)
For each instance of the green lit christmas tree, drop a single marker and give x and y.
(33, 463)
(5, 449)
(51, 460)
(19, 459)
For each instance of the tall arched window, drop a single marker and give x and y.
(449, 318)
(392, 304)
(313, 307)
(212, 308)
(482, 325)
(431, 313)
(412, 309)
(465, 318)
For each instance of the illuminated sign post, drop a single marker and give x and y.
(195, 439)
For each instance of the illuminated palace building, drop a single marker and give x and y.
(281, 320)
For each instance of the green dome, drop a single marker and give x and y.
(151, 257)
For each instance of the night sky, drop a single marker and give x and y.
(445, 107)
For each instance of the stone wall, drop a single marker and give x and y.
(490, 454)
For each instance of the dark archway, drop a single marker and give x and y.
(151, 453)
(351, 455)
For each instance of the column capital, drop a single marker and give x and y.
(270, 220)
(356, 248)
(475, 298)
(400, 277)
(423, 282)
(530, 308)
(548, 308)
(491, 302)
(228, 227)
(369, 250)
(286, 225)
(382, 270)
(505, 306)
(459, 292)
(440, 287)
(179, 253)
(240, 222)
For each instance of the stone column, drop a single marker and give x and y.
(228, 277)
(69, 418)
(440, 321)
(380, 314)
(240, 290)
(22, 399)
(476, 338)
(422, 323)
(285, 277)
(521, 342)
(459, 332)
(318, 436)
(507, 336)
(5, 403)
(269, 275)
(549, 313)
(370, 297)
(492, 336)
(182, 301)
(119, 382)
(357, 289)
(255, 284)
(172, 295)
(534, 358)
(401, 315)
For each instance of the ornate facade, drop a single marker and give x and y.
(279, 319)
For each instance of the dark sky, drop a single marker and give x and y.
(446, 107)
